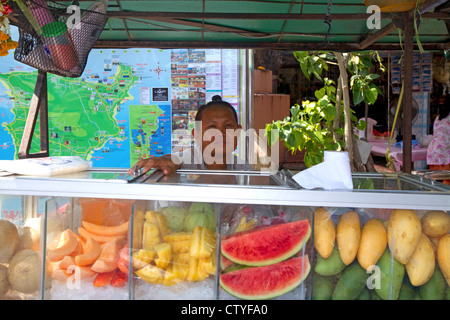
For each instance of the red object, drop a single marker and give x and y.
(102, 279)
(119, 280)
(124, 260)
(6, 9)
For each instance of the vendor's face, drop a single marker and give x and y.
(218, 131)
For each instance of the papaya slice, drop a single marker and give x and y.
(102, 279)
(124, 259)
(105, 230)
(92, 251)
(119, 280)
(68, 242)
(100, 239)
(109, 256)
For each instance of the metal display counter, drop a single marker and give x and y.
(105, 206)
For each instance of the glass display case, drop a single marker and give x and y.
(226, 235)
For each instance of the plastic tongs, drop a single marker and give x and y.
(140, 177)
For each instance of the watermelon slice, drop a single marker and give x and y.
(267, 245)
(266, 282)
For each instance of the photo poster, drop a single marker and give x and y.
(196, 76)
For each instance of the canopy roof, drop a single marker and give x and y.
(269, 24)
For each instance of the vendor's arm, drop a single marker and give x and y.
(163, 163)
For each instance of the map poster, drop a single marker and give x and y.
(127, 105)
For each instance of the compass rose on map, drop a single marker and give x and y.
(158, 70)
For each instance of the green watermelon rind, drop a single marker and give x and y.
(280, 258)
(304, 274)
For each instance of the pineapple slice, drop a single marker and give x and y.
(181, 246)
(195, 273)
(180, 266)
(208, 265)
(150, 236)
(170, 278)
(158, 220)
(177, 236)
(163, 254)
(155, 228)
(203, 242)
(143, 257)
(151, 274)
(244, 225)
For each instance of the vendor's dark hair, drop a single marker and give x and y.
(215, 101)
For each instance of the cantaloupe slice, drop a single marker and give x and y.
(68, 242)
(107, 261)
(100, 239)
(91, 251)
(105, 230)
(66, 262)
(79, 248)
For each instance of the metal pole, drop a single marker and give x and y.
(407, 98)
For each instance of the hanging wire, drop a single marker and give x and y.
(327, 21)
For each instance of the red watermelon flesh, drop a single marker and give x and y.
(267, 245)
(266, 282)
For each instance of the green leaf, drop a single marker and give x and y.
(361, 125)
(372, 76)
(357, 94)
(371, 95)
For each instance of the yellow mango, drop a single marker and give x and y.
(404, 233)
(435, 223)
(324, 232)
(443, 256)
(420, 266)
(348, 236)
(373, 243)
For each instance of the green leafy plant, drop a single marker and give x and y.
(312, 126)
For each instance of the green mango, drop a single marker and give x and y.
(434, 289)
(365, 295)
(373, 295)
(322, 287)
(447, 294)
(391, 273)
(330, 266)
(351, 283)
(407, 292)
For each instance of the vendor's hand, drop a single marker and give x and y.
(164, 163)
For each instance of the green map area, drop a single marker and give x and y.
(81, 114)
(144, 127)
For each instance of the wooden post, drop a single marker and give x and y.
(407, 96)
(38, 106)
